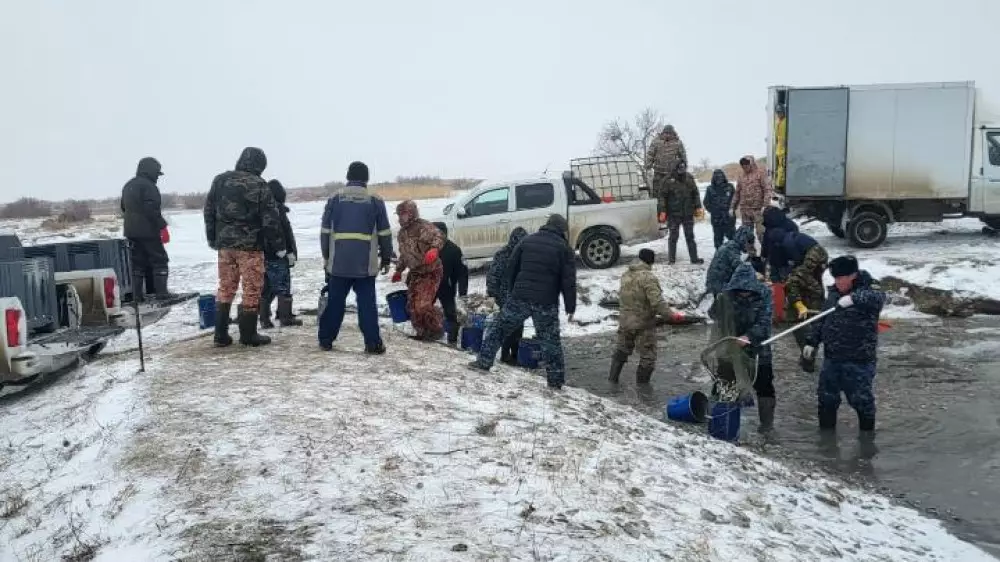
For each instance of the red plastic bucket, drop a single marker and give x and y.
(778, 301)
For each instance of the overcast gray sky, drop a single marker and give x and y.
(444, 87)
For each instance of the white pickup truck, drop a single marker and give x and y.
(481, 221)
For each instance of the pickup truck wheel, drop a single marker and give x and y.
(867, 230)
(992, 222)
(836, 230)
(600, 250)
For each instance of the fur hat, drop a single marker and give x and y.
(844, 266)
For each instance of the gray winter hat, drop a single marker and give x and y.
(558, 221)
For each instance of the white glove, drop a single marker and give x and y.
(845, 302)
(808, 352)
(291, 260)
(281, 254)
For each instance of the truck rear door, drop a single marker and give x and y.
(816, 153)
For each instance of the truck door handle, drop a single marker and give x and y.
(503, 221)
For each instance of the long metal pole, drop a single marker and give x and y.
(798, 326)
(138, 320)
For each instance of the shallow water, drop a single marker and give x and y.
(938, 394)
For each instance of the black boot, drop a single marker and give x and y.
(866, 424)
(222, 311)
(265, 315)
(693, 253)
(618, 361)
(765, 411)
(377, 349)
(160, 278)
(672, 253)
(643, 374)
(248, 329)
(138, 284)
(285, 312)
(827, 419)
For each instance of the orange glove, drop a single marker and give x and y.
(662, 218)
(397, 277)
(164, 235)
(431, 256)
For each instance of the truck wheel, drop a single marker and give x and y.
(867, 230)
(836, 230)
(600, 250)
(992, 222)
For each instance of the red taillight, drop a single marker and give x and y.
(13, 318)
(110, 284)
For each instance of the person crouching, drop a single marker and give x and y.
(420, 243)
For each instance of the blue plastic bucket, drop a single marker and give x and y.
(206, 311)
(725, 422)
(397, 306)
(528, 353)
(690, 408)
(472, 339)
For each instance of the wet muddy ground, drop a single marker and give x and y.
(938, 435)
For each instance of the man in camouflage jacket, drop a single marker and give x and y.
(753, 195)
(849, 337)
(420, 243)
(804, 286)
(680, 200)
(641, 301)
(662, 157)
(242, 221)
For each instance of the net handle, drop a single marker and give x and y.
(797, 327)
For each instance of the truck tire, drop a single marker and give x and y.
(836, 230)
(93, 350)
(600, 250)
(867, 230)
(992, 222)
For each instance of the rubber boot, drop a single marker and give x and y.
(285, 312)
(827, 419)
(265, 315)
(222, 311)
(248, 329)
(672, 252)
(138, 284)
(866, 424)
(453, 333)
(693, 252)
(765, 411)
(618, 361)
(160, 278)
(643, 374)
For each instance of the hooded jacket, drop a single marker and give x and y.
(777, 226)
(727, 258)
(497, 284)
(851, 334)
(415, 239)
(665, 152)
(753, 311)
(719, 197)
(455, 277)
(640, 297)
(240, 210)
(141, 203)
(280, 196)
(541, 267)
(679, 196)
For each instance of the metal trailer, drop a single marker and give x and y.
(861, 157)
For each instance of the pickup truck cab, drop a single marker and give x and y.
(481, 220)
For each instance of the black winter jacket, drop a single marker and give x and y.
(542, 267)
(280, 196)
(141, 203)
(455, 278)
(851, 334)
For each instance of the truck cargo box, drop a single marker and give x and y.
(91, 254)
(900, 141)
(33, 282)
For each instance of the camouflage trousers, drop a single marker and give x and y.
(236, 266)
(643, 337)
(855, 380)
(421, 292)
(545, 318)
(754, 218)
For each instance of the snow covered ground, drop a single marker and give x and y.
(289, 453)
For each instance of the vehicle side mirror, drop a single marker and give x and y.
(461, 213)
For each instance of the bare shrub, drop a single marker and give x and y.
(632, 139)
(26, 208)
(193, 200)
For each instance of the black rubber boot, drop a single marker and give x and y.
(453, 333)
(248, 329)
(618, 361)
(285, 315)
(160, 278)
(693, 253)
(672, 253)
(643, 374)
(377, 349)
(866, 424)
(827, 419)
(265, 316)
(222, 311)
(765, 411)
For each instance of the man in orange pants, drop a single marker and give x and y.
(419, 244)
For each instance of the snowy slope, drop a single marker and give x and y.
(296, 454)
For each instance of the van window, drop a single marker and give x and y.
(993, 142)
(534, 196)
(492, 202)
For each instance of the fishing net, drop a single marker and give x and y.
(730, 366)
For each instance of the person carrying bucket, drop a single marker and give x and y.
(420, 244)
(641, 301)
(743, 310)
(356, 241)
(849, 337)
(498, 286)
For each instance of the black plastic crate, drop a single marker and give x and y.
(33, 281)
(10, 247)
(90, 254)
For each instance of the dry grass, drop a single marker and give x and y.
(12, 502)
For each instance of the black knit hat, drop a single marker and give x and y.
(357, 171)
(559, 222)
(844, 266)
(647, 256)
(442, 227)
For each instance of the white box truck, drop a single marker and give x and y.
(861, 157)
